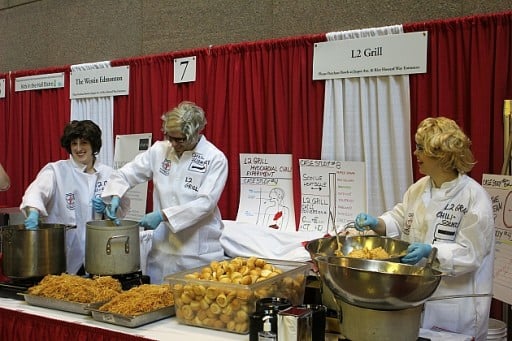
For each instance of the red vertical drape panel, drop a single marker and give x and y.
(469, 76)
(32, 128)
(258, 98)
(265, 101)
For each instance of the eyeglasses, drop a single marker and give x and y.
(178, 140)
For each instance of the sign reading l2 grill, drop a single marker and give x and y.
(104, 82)
(393, 54)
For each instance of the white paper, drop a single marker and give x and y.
(266, 191)
(499, 188)
(333, 193)
(127, 147)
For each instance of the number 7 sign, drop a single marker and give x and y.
(185, 69)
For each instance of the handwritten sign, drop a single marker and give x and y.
(333, 193)
(499, 188)
(266, 191)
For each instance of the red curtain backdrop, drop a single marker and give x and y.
(469, 76)
(31, 129)
(263, 100)
(258, 98)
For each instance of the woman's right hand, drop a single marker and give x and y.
(32, 220)
(364, 220)
(111, 209)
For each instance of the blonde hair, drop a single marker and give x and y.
(442, 138)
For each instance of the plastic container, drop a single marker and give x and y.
(228, 306)
(497, 330)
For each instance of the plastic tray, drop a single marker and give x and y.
(131, 321)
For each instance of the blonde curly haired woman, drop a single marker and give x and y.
(448, 210)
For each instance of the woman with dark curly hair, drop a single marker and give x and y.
(68, 191)
(450, 211)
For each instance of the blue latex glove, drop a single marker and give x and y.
(152, 220)
(415, 252)
(111, 209)
(32, 220)
(363, 220)
(98, 204)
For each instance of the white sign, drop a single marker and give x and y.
(185, 69)
(127, 147)
(393, 54)
(266, 191)
(499, 188)
(2, 87)
(333, 193)
(113, 81)
(39, 82)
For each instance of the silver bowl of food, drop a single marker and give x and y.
(377, 284)
(368, 247)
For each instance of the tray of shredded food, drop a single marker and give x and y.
(138, 306)
(72, 293)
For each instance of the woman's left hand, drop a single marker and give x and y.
(415, 252)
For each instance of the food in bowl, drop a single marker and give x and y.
(365, 253)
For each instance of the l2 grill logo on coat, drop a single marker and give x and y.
(70, 201)
(165, 167)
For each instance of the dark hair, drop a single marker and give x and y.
(86, 130)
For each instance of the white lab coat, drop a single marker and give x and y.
(458, 220)
(187, 190)
(62, 192)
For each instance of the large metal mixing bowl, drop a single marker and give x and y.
(327, 246)
(376, 284)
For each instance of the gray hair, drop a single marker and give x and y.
(188, 117)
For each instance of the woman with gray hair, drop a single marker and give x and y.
(450, 211)
(189, 174)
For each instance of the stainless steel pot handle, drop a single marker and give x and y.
(108, 248)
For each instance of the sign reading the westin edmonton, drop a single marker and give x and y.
(333, 193)
(104, 82)
(266, 191)
(387, 55)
